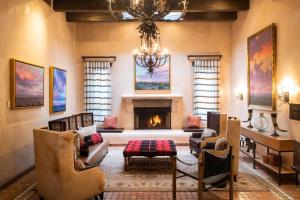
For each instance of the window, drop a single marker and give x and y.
(206, 85)
(98, 88)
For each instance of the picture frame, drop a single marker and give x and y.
(159, 82)
(26, 84)
(57, 90)
(261, 49)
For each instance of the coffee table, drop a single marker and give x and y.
(149, 149)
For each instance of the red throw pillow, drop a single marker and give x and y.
(110, 122)
(193, 121)
(93, 139)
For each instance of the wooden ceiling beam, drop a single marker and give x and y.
(193, 16)
(194, 5)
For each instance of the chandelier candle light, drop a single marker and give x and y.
(150, 55)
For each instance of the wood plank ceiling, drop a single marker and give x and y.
(198, 10)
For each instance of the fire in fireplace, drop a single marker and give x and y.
(154, 121)
(152, 118)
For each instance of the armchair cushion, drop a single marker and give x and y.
(193, 121)
(79, 165)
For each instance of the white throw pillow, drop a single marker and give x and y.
(86, 131)
(208, 133)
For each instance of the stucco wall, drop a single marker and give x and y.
(182, 39)
(286, 15)
(32, 32)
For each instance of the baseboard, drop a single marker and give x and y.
(5, 185)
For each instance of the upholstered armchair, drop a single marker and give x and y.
(56, 176)
(215, 121)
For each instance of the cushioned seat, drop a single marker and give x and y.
(215, 121)
(96, 153)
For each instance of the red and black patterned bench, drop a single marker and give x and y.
(149, 148)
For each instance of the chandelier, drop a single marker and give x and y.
(149, 55)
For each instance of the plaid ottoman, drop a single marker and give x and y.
(149, 148)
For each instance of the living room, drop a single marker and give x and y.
(71, 37)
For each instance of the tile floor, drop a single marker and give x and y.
(292, 191)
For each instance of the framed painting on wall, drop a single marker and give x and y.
(158, 81)
(58, 89)
(261, 69)
(27, 84)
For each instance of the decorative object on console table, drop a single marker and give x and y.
(250, 112)
(261, 69)
(57, 91)
(276, 127)
(27, 84)
(261, 123)
(159, 80)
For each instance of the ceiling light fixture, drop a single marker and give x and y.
(149, 55)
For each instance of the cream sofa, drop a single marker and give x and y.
(56, 176)
(96, 153)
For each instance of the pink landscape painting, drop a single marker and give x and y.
(261, 48)
(29, 84)
(160, 79)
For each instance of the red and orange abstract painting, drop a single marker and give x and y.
(261, 58)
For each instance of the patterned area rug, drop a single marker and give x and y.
(143, 176)
(140, 177)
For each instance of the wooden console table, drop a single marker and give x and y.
(280, 144)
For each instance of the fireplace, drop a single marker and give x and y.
(152, 118)
(152, 114)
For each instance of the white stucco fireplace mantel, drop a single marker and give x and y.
(176, 113)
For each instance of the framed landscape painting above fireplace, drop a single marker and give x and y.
(58, 87)
(159, 81)
(27, 84)
(261, 69)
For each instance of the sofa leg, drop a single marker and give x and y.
(101, 196)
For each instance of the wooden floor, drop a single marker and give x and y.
(292, 192)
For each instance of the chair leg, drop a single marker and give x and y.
(231, 178)
(96, 198)
(296, 178)
(41, 198)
